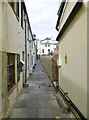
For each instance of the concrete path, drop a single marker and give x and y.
(38, 100)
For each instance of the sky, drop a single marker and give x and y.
(43, 17)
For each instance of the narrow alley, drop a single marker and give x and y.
(44, 59)
(38, 100)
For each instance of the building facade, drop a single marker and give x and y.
(15, 52)
(47, 46)
(34, 51)
(38, 47)
(72, 37)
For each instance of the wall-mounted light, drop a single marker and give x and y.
(66, 58)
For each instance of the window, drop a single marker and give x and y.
(22, 15)
(15, 6)
(48, 50)
(48, 45)
(45, 45)
(42, 50)
(18, 72)
(10, 70)
(17, 9)
(12, 4)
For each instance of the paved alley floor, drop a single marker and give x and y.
(38, 100)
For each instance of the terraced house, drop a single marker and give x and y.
(72, 25)
(15, 52)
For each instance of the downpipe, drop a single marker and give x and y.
(71, 105)
(25, 54)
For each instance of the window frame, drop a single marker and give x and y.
(10, 70)
(15, 7)
(18, 73)
(22, 16)
(42, 50)
(48, 50)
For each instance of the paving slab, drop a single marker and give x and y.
(38, 100)
(24, 113)
(48, 112)
(46, 97)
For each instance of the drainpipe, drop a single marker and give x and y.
(25, 52)
(71, 104)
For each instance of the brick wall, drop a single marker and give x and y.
(54, 68)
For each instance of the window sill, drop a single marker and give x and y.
(11, 90)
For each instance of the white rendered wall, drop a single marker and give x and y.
(73, 74)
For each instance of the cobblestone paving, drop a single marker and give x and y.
(38, 100)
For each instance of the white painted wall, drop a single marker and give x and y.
(38, 47)
(33, 53)
(30, 52)
(47, 42)
(73, 75)
(46, 48)
(13, 34)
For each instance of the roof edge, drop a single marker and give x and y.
(76, 8)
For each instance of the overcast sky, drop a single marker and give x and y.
(43, 17)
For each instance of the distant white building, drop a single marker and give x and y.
(47, 46)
